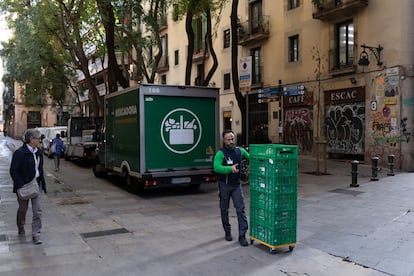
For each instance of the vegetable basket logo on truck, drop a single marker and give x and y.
(181, 130)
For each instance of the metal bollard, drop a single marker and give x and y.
(391, 164)
(354, 173)
(374, 161)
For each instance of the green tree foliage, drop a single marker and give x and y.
(34, 58)
(30, 54)
(139, 28)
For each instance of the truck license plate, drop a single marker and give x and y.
(180, 180)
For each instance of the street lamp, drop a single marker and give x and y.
(376, 51)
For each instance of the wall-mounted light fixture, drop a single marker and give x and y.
(353, 80)
(376, 51)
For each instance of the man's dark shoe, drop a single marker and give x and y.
(37, 240)
(242, 241)
(228, 237)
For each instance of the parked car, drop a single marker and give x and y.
(50, 134)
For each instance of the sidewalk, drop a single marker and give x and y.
(367, 230)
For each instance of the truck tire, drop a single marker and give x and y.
(133, 185)
(130, 182)
(98, 170)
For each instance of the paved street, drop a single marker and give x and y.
(95, 227)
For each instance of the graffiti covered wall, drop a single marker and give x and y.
(345, 120)
(298, 121)
(298, 129)
(344, 128)
(387, 129)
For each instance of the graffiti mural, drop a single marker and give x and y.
(406, 135)
(344, 128)
(298, 129)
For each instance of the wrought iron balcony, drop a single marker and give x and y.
(331, 9)
(337, 68)
(163, 65)
(252, 32)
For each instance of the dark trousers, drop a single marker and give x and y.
(56, 159)
(235, 192)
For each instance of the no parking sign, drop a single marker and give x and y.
(245, 72)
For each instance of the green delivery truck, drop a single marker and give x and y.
(159, 135)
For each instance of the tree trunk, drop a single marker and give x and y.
(241, 100)
(114, 72)
(190, 37)
(210, 48)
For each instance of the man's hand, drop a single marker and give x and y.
(234, 168)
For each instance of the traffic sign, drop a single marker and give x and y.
(245, 72)
(267, 92)
(293, 90)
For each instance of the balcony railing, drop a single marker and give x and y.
(336, 69)
(251, 33)
(162, 22)
(331, 9)
(199, 55)
(163, 65)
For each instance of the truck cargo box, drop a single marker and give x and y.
(160, 135)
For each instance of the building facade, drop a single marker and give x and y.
(336, 74)
(345, 69)
(20, 116)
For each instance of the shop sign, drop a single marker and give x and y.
(347, 95)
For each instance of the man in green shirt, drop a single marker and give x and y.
(227, 162)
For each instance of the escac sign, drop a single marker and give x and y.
(347, 95)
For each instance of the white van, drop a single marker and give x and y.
(50, 134)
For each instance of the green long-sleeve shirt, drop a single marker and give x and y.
(218, 162)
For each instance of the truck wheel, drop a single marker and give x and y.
(130, 182)
(98, 169)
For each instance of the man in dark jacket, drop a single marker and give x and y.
(26, 164)
(227, 162)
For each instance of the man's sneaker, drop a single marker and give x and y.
(228, 237)
(37, 240)
(21, 232)
(242, 241)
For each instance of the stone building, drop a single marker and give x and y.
(345, 69)
(334, 74)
